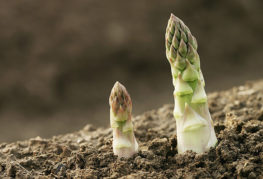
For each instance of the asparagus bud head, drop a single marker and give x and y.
(194, 125)
(124, 141)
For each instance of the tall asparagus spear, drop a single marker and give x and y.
(194, 125)
(124, 142)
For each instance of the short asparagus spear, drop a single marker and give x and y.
(124, 142)
(194, 125)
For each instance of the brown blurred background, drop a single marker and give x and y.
(60, 59)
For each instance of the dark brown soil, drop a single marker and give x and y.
(238, 120)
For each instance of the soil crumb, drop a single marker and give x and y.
(238, 121)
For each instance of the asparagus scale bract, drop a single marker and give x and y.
(124, 142)
(194, 125)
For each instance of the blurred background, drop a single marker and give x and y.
(60, 59)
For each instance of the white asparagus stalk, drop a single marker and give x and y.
(194, 125)
(124, 141)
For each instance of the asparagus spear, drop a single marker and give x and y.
(124, 142)
(194, 125)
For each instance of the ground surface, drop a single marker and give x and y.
(238, 120)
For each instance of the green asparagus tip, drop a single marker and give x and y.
(120, 100)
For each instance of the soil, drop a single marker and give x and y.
(238, 121)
